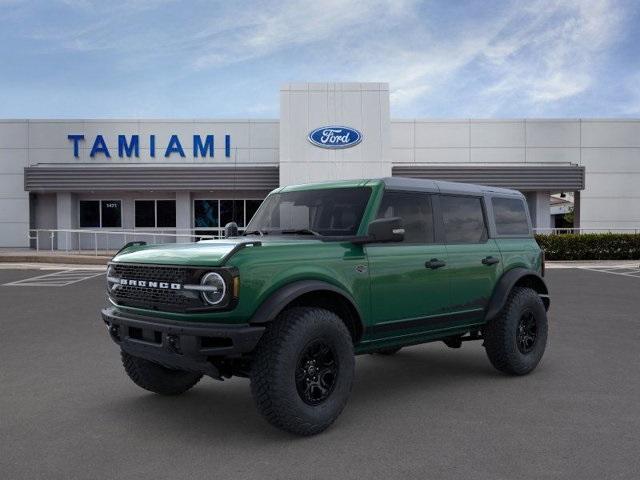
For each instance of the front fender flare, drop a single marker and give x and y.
(506, 283)
(279, 299)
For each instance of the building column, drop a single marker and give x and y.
(539, 209)
(66, 218)
(576, 209)
(307, 106)
(183, 216)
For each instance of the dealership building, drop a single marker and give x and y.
(192, 176)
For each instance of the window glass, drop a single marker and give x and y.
(206, 213)
(166, 213)
(415, 212)
(111, 213)
(463, 219)
(145, 213)
(510, 216)
(89, 214)
(232, 211)
(335, 211)
(251, 208)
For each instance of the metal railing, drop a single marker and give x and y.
(560, 231)
(106, 242)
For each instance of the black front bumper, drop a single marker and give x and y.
(181, 345)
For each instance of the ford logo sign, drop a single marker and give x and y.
(335, 137)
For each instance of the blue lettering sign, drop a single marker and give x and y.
(75, 139)
(202, 149)
(152, 146)
(174, 147)
(128, 149)
(99, 146)
(129, 146)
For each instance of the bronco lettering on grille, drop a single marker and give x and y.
(150, 284)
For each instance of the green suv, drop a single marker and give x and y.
(324, 272)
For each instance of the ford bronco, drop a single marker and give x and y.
(325, 271)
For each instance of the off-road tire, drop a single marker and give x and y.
(278, 357)
(501, 333)
(156, 378)
(388, 351)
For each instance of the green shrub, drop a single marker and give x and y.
(591, 246)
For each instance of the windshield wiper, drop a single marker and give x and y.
(255, 232)
(301, 231)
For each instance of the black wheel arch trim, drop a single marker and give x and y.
(282, 297)
(507, 281)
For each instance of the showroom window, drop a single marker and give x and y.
(217, 213)
(100, 214)
(155, 213)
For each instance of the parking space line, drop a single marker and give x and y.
(56, 279)
(622, 270)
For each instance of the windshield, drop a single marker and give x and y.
(330, 212)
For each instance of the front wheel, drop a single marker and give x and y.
(516, 339)
(302, 371)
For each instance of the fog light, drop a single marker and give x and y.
(114, 331)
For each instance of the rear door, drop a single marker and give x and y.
(475, 263)
(409, 282)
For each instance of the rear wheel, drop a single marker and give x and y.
(516, 340)
(302, 371)
(156, 378)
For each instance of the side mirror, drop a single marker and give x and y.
(386, 230)
(231, 230)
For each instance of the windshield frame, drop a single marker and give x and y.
(309, 231)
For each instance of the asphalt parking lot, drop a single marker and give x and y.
(67, 410)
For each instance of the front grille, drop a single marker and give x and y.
(153, 272)
(156, 298)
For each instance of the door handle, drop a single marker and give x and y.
(490, 260)
(434, 263)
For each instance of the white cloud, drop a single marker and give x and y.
(556, 53)
(546, 52)
(533, 53)
(287, 24)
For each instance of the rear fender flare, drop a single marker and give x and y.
(507, 282)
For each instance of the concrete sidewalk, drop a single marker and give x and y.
(28, 255)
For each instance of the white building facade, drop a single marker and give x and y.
(175, 176)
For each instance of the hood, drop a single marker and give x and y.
(205, 253)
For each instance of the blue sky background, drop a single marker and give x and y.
(447, 59)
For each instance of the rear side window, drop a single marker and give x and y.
(510, 215)
(463, 219)
(415, 212)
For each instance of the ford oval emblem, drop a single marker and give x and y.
(335, 136)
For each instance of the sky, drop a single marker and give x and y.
(228, 59)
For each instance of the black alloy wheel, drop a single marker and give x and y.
(316, 372)
(527, 332)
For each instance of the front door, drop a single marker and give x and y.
(475, 263)
(409, 281)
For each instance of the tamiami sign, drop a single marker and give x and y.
(129, 146)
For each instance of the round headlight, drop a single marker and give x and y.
(214, 288)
